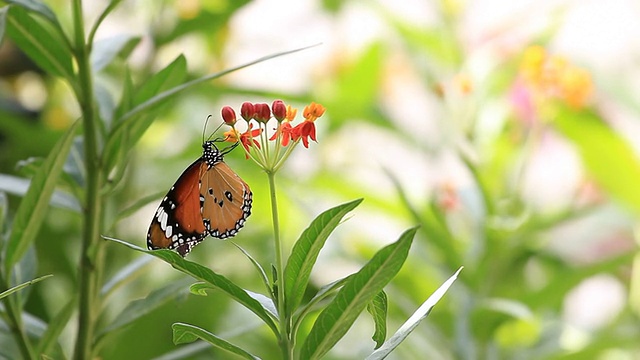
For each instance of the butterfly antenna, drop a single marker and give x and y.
(214, 131)
(204, 130)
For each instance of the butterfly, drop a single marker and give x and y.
(209, 198)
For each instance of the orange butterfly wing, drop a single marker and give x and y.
(177, 224)
(227, 201)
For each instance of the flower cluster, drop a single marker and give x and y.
(551, 77)
(270, 152)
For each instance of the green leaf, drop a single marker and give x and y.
(120, 143)
(22, 286)
(202, 273)
(32, 208)
(3, 21)
(256, 264)
(305, 252)
(413, 320)
(324, 292)
(362, 287)
(172, 75)
(36, 6)
(45, 49)
(185, 333)
(378, 310)
(200, 288)
(126, 275)
(132, 118)
(20, 186)
(55, 327)
(105, 50)
(139, 308)
(606, 155)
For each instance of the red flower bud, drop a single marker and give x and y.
(247, 111)
(263, 113)
(228, 115)
(279, 110)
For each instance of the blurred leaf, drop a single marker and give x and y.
(378, 310)
(436, 47)
(256, 264)
(266, 302)
(209, 20)
(139, 204)
(202, 273)
(32, 208)
(56, 326)
(431, 223)
(139, 308)
(172, 75)
(106, 49)
(45, 49)
(122, 139)
(106, 105)
(413, 320)
(354, 94)
(36, 6)
(19, 186)
(606, 155)
(3, 21)
(22, 286)
(126, 275)
(362, 287)
(4, 210)
(553, 294)
(185, 333)
(305, 252)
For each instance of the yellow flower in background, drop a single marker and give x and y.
(544, 78)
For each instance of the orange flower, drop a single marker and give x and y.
(313, 111)
(285, 131)
(307, 129)
(246, 138)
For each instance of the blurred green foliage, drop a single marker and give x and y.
(528, 258)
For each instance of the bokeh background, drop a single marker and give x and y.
(463, 117)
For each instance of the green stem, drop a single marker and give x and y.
(90, 265)
(283, 317)
(15, 324)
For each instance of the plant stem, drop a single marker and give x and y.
(15, 324)
(91, 253)
(283, 317)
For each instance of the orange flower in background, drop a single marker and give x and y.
(544, 78)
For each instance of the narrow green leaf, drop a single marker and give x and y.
(105, 50)
(128, 120)
(121, 142)
(139, 204)
(202, 273)
(3, 21)
(32, 208)
(378, 310)
(324, 293)
(45, 49)
(19, 186)
(172, 75)
(139, 308)
(607, 156)
(185, 333)
(413, 320)
(339, 315)
(256, 264)
(4, 210)
(55, 327)
(36, 6)
(22, 286)
(126, 275)
(305, 252)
